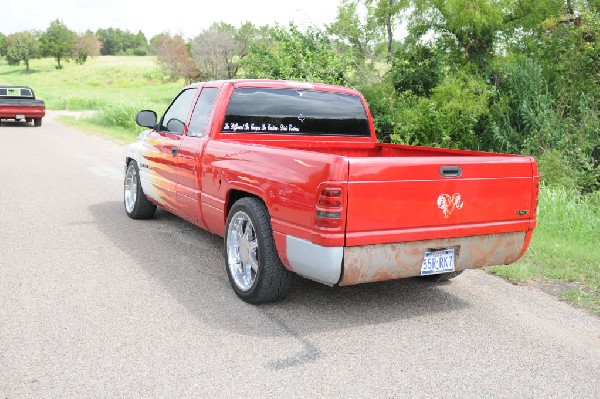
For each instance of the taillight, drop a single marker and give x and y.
(329, 207)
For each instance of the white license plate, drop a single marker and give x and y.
(436, 262)
(20, 116)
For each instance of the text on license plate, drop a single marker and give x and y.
(436, 262)
(20, 116)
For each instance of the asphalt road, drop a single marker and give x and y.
(94, 304)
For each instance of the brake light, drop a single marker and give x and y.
(329, 207)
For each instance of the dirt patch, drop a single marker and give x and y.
(74, 114)
(555, 288)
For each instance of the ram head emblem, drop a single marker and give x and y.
(448, 203)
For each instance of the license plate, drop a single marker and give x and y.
(20, 116)
(436, 262)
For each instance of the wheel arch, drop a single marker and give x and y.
(235, 195)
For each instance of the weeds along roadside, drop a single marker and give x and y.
(564, 247)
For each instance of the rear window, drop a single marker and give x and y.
(297, 112)
(15, 92)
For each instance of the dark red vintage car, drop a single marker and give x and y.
(19, 103)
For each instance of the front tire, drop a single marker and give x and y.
(137, 205)
(253, 265)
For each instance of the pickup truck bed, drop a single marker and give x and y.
(397, 202)
(341, 208)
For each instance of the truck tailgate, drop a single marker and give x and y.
(397, 199)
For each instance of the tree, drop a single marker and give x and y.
(120, 42)
(156, 41)
(217, 51)
(416, 68)
(58, 41)
(467, 28)
(2, 44)
(86, 45)
(21, 46)
(174, 58)
(385, 12)
(245, 36)
(140, 44)
(112, 41)
(291, 54)
(353, 32)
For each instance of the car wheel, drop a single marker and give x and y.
(253, 265)
(440, 278)
(137, 205)
(37, 122)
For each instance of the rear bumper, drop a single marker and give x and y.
(369, 263)
(27, 112)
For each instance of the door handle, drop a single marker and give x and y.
(451, 171)
(174, 151)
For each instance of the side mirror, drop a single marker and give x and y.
(146, 118)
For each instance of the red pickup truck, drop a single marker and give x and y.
(19, 103)
(292, 176)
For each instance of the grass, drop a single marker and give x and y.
(117, 134)
(117, 87)
(565, 247)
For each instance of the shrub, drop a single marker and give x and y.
(449, 118)
(117, 115)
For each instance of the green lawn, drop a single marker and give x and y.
(99, 82)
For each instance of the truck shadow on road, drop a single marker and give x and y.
(188, 263)
(11, 123)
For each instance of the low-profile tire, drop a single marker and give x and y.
(253, 265)
(37, 122)
(440, 278)
(136, 204)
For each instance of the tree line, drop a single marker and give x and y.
(63, 44)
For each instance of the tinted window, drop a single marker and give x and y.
(175, 117)
(287, 111)
(15, 92)
(201, 111)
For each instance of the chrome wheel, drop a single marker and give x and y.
(242, 251)
(131, 187)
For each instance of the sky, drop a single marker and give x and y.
(186, 17)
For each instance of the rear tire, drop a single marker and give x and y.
(37, 122)
(252, 262)
(440, 278)
(136, 204)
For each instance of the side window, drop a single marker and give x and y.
(174, 119)
(202, 111)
